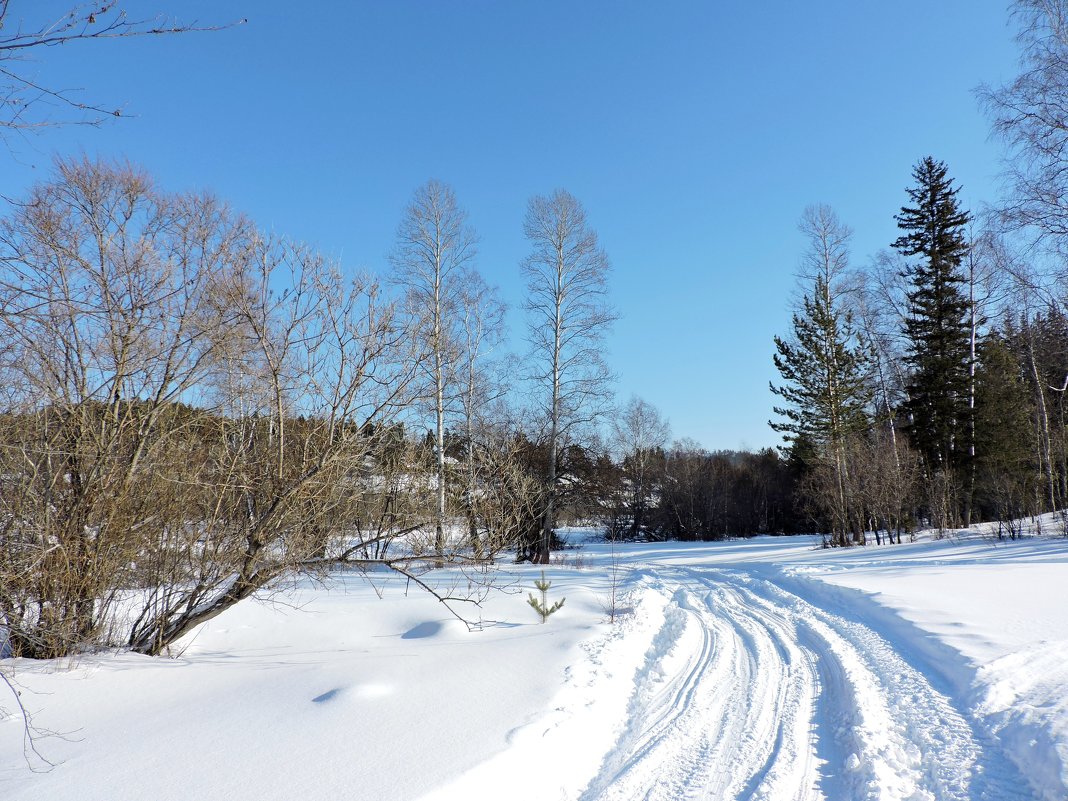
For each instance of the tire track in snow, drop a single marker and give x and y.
(741, 682)
(676, 668)
(783, 750)
(749, 692)
(902, 738)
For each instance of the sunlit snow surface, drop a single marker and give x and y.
(760, 669)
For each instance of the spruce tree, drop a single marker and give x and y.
(937, 321)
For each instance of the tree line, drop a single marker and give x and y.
(928, 387)
(193, 409)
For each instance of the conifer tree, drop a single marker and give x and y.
(541, 605)
(1004, 434)
(827, 391)
(825, 370)
(937, 323)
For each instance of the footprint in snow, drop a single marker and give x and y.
(363, 691)
(328, 696)
(423, 630)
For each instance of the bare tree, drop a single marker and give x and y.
(277, 485)
(434, 247)
(102, 283)
(876, 298)
(191, 411)
(640, 434)
(483, 382)
(826, 366)
(988, 288)
(27, 103)
(827, 256)
(1031, 115)
(568, 315)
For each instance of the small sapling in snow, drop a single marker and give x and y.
(541, 605)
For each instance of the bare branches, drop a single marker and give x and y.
(640, 435)
(1031, 115)
(101, 304)
(435, 245)
(278, 485)
(827, 256)
(192, 410)
(31, 733)
(25, 102)
(568, 316)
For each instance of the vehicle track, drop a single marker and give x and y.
(750, 692)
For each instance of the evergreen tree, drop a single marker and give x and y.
(825, 374)
(827, 391)
(937, 322)
(541, 605)
(1040, 345)
(1004, 434)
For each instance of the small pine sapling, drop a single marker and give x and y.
(541, 605)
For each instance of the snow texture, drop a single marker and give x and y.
(768, 669)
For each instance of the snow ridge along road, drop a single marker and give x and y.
(747, 691)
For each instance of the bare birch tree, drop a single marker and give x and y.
(1030, 113)
(988, 288)
(568, 317)
(639, 434)
(876, 298)
(482, 384)
(434, 247)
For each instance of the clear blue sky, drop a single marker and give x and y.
(695, 133)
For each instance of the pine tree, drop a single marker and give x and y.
(541, 605)
(937, 323)
(827, 392)
(825, 373)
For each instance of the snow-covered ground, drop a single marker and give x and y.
(761, 669)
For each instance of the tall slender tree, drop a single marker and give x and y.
(481, 384)
(568, 316)
(435, 245)
(938, 322)
(825, 369)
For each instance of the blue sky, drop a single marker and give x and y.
(695, 133)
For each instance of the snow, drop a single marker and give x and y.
(762, 669)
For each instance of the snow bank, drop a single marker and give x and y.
(761, 669)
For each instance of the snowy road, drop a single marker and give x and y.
(760, 670)
(748, 691)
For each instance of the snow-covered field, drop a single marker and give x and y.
(761, 669)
